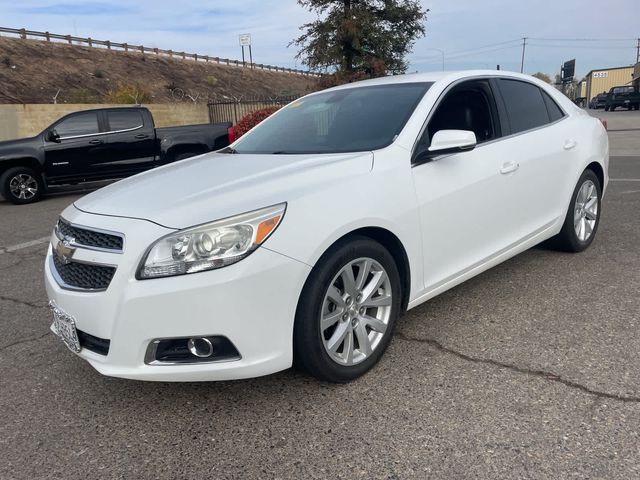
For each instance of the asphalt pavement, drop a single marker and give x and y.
(530, 370)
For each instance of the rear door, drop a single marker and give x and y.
(131, 142)
(80, 146)
(542, 148)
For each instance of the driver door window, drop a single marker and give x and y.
(468, 106)
(77, 125)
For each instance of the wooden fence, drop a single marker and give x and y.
(126, 47)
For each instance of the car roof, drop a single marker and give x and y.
(448, 76)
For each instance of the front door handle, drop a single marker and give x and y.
(509, 167)
(96, 142)
(141, 136)
(569, 144)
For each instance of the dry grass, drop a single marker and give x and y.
(33, 71)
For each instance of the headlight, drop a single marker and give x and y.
(212, 245)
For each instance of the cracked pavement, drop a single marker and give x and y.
(530, 370)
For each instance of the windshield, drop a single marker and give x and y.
(623, 90)
(348, 120)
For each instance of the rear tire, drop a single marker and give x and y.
(347, 311)
(583, 217)
(21, 185)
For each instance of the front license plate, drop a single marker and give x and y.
(65, 326)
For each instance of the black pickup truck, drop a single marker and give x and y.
(624, 96)
(100, 144)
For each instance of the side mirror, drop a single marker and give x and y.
(446, 142)
(452, 141)
(52, 136)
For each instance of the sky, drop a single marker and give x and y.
(471, 33)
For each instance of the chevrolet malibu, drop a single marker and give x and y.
(303, 241)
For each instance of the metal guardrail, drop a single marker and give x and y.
(233, 110)
(91, 42)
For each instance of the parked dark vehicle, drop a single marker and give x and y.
(624, 96)
(599, 101)
(99, 144)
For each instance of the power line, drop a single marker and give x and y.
(583, 39)
(462, 55)
(590, 47)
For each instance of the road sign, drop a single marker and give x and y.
(245, 39)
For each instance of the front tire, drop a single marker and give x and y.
(21, 185)
(347, 311)
(582, 220)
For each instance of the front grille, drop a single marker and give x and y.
(90, 238)
(95, 344)
(84, 275)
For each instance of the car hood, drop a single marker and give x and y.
(215, 185)
(15, 146)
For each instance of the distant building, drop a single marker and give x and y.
(636, 76)
(583, 89)
(603, 79)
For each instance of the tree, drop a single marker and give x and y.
(542, 76)
(360, 36)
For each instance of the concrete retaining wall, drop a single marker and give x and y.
(18, 121)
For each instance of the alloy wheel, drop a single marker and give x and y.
(23, 186)
(586, 211)
(356, 311)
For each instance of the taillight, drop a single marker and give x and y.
(231, 135)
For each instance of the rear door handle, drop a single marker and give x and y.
(141, 136)
(509, 167)
(569, 144)
(96, 142)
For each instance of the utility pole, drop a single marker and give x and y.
(638, 51)
(524, 44)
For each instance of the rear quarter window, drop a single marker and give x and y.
(555, 112)
(525, 105)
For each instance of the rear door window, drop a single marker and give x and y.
(525, 105)
(79, 124)
(124, 120)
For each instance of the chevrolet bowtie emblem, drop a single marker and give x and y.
(64, 250)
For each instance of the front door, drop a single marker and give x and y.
(462, 197)
(81, 144)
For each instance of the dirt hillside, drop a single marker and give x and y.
(34, 71)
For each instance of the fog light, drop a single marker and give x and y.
(200, 347)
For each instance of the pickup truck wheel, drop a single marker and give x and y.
(347, 311)
(20, 185)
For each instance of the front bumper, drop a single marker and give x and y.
(252, 303)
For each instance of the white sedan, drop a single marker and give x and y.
(303, 242)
